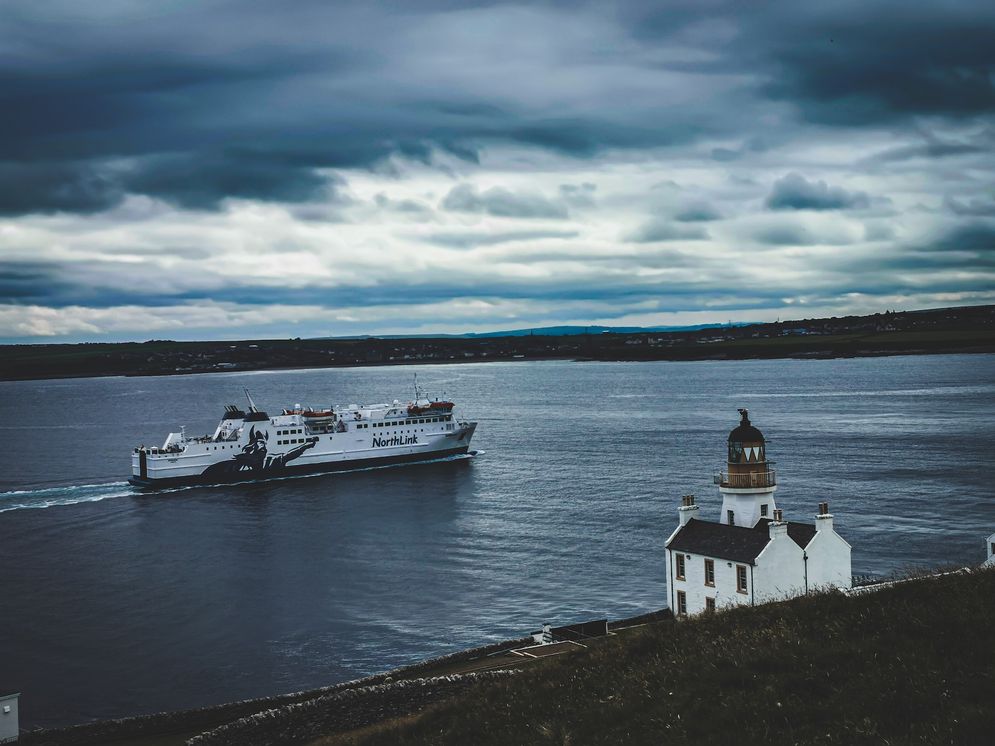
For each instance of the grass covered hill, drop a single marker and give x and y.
(909, 664)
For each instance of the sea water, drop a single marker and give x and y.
(115, 602)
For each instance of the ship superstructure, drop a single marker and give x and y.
(249, 445)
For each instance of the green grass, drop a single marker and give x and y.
(911, 664)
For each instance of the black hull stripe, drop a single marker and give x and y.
(295, 471)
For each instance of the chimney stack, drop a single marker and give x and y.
(824, 521)
(688, 509)
(778, 527)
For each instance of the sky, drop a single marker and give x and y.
(229, 170)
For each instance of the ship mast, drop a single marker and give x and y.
(252, 404)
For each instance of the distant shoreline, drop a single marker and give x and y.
(719, 357)
(938, 331)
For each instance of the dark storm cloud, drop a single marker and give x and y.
(698, 212)
(968, 250)
(55, 187)
(663, 230)
(794, 192)
(20, 282)
(470, 239)
(195, 103)
(976, 237)
(869, 63)
(972, 207)
(787, 234)
(202, 180)
(502, 203)
(60, 285)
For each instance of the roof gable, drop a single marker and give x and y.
(802, 533)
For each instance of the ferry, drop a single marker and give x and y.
(250, 445)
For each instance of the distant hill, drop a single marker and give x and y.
(551, 331)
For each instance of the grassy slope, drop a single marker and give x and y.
(910, 664)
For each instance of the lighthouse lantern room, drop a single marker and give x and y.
(749, 481)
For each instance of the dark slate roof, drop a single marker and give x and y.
(734, 543)
(802, 533)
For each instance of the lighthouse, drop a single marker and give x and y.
(748, 483)
(752, 554)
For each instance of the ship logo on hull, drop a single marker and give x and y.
(255, 457)
(396, 440)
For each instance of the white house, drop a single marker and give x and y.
(990, 546)
(751, 554)
(8, 716)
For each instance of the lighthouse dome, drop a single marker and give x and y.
(745, 432)
(746, 443)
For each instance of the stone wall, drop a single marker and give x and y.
(341, 711)
(186, 721)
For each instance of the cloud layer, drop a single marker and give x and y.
(269, 169)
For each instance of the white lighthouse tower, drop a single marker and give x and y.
(749, 482)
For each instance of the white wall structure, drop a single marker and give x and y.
(780, 566)
(757, 556)
(828, 556)
(990, 551)
(8, 717)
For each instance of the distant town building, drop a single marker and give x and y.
(8, 716)
(990, 546)
(751, 554)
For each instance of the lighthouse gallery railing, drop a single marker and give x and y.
(753, 479)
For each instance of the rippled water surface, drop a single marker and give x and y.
(114, 602)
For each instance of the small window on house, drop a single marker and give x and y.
(763, 511)
(741, 578)
(709, 603)
(680, 566)
(682, 603)
(730, 517)
(710, 572)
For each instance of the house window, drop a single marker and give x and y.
(741, 578)
(730, 517)
(680, 566)
(709, 603)
(763, 511)
(710, 572)
(682, 603)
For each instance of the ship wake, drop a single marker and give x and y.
(51, 497)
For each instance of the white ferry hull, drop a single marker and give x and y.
(259, 448)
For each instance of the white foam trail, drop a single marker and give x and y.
(50, 497)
